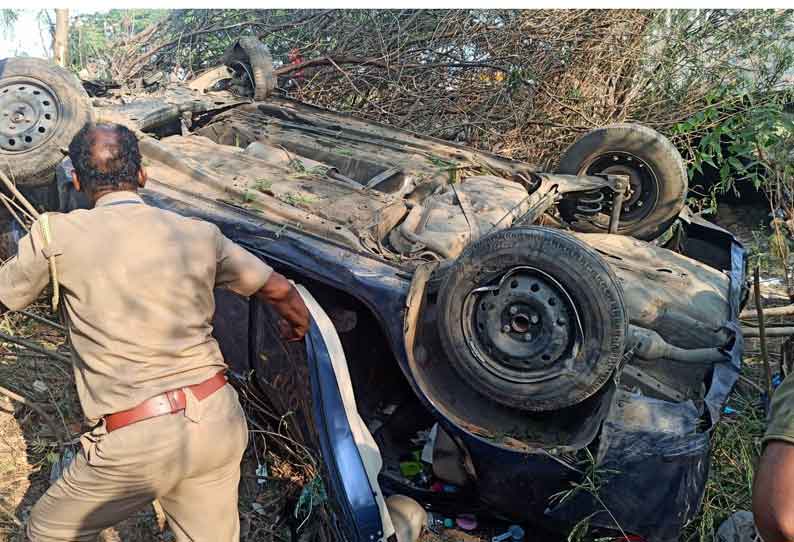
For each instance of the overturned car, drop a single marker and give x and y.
(536, 327)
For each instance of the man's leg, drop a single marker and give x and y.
(205, 508)
(773, 493)
(202, 505)
(83, 502)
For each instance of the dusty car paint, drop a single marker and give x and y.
(254, 171)
(641, 436)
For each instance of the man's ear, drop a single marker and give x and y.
(142, 176)
(76, 181)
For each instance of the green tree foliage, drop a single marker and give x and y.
(735, 68)
(8, 18)
(94, 35)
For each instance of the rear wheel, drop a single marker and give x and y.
(42, 107)
(532, 318)
(658, 181)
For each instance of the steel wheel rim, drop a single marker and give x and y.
(524, 329)
(644, 189)
(30, 114)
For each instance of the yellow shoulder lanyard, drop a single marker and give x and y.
(46, 230)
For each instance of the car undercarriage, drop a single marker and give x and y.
(541, 325)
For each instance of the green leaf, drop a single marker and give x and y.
(735, 163)
(698, 165)
(787, 123)
(725, 171)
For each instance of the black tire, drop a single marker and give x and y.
(591, 287)
(659, 178)
(250, 50)
(52, 106)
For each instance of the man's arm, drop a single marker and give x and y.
(287, 302)
(243, 273)
(26, 275)
(773, 493)
(773, 488)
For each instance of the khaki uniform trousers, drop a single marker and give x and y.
(189, 461)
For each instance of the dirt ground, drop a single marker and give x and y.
(269, 501)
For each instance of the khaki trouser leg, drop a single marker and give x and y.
(192, 465)
(83, 502)
(205, 504)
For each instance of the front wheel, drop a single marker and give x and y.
(658, 181)
(532, 318)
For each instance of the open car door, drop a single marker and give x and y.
(308, 384)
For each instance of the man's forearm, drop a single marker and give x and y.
(276, 289)
(287, 302)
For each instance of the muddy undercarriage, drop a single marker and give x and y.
(528, 318)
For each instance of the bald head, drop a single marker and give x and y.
(106, 158)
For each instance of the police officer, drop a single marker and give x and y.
(137, 285)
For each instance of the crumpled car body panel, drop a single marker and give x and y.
(644, 444)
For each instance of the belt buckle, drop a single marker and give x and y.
(173, 399)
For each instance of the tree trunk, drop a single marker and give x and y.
(60, 42)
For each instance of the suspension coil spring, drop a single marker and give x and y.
(589, 204)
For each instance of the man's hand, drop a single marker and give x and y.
(287, 302)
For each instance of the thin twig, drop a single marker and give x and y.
(19, 207)
(18, 195)
(751, 383)
(10, 515)
(43, 320)
(35, 407)
(762, 328)
(5, 200)
(30, 345)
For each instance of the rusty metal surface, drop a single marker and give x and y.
(151, 112)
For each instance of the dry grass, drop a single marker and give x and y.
(28, 449)
(27, 446)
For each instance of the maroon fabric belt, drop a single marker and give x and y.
(165, 403)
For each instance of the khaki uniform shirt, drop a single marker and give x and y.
(137, 285)
(781, 416)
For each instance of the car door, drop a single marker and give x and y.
(307, 385)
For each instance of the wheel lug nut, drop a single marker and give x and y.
(528, 336)
(505, 328)
(513, 310)
(534, 319)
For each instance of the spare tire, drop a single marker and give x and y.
(657, 177)
(42, 107)
(532, 318)
(249, 50)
